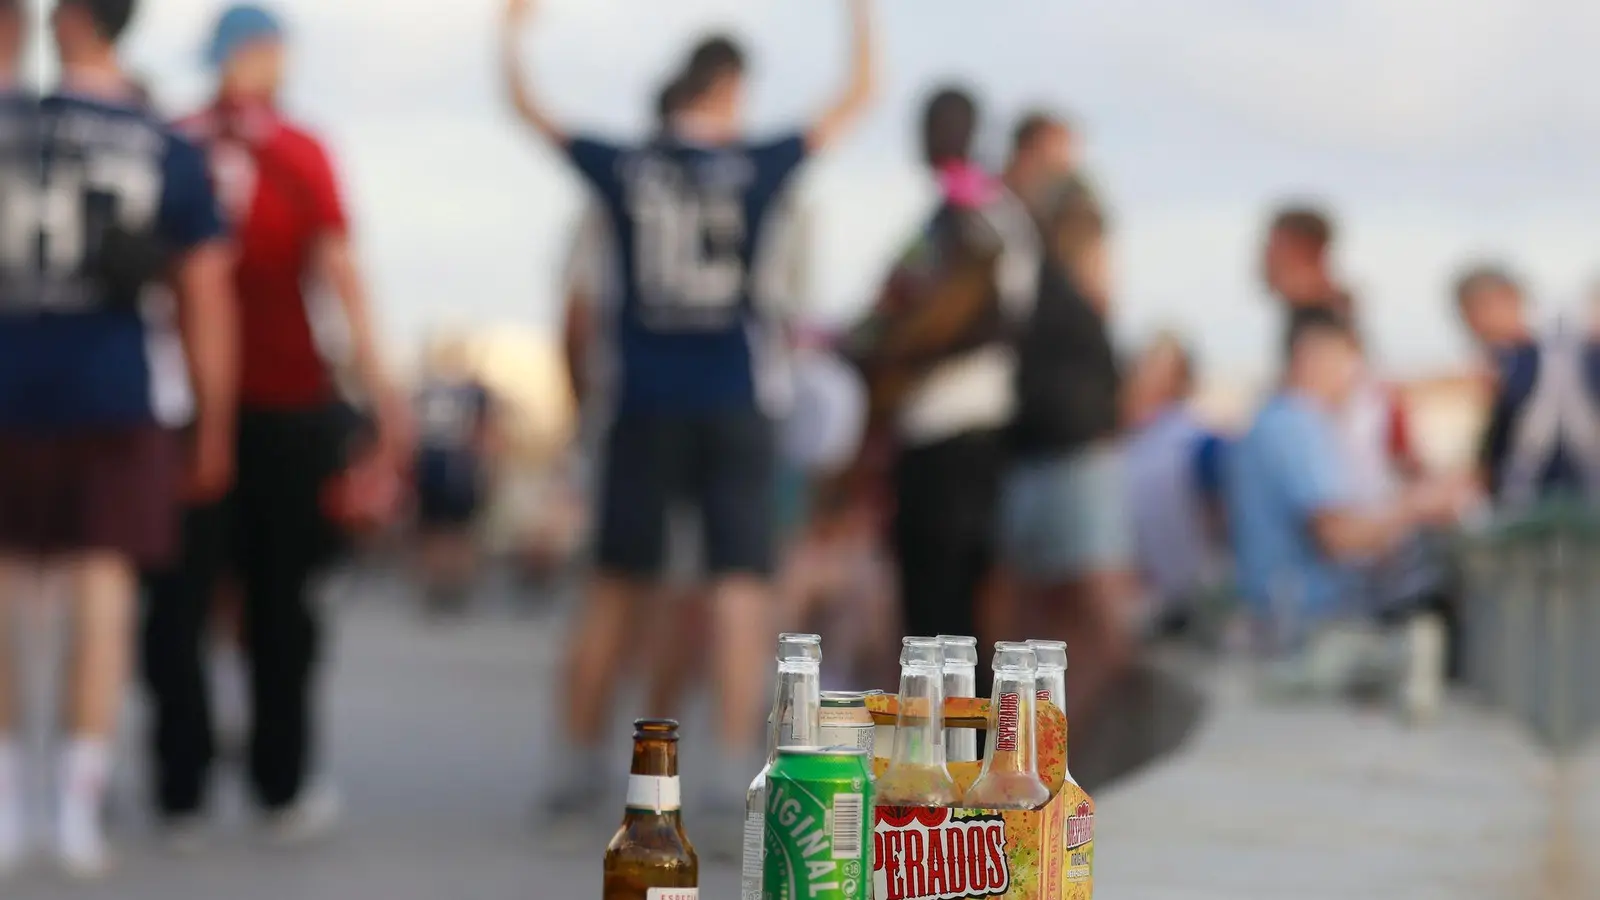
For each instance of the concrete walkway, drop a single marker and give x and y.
(436, 733)
(1326, 802)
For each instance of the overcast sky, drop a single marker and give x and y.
(1437, 129)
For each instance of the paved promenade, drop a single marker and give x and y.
(436, 734)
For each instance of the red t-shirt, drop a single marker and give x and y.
(280, 194)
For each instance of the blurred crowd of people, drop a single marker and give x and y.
(974, 456)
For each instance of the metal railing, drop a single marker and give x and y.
(1531, 619)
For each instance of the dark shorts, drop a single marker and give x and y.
(449, 492)
(720, 465)
(109, 491)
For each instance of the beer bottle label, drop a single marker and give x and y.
(672, 894)
(653, 793)
(755, 837)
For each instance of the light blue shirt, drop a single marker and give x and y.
(1286, 470)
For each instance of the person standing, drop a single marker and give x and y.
(278, 528)
(1296, 265)
(90, 474)
(1068, 531)
(937, 356)
(1045, 169)
(693, 399)
(455, 428)
(1542, 439)
(1174, 482)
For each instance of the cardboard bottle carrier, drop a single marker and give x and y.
(928, 853)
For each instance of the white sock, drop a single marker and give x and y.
(85, 772)
(12, 798)
(231, 691)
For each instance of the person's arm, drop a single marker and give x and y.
(1348, 536)
(944, 318)
(862, 86)
(583, 281)
(334, 261)
(487, 437)
(577, 338)
(208, 322)
(514, 71)
(201, 276)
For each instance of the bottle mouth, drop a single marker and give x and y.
(921, 652)
(655, 729)
(793, 648)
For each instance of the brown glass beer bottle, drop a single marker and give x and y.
(650, 858)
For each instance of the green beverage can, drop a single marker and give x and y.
(819, 826)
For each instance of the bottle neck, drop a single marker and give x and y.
(653, 780)
(796, 707)
(919, 726)
(1011, 741)
(1052, 688)
(960, 680)
(655, 757)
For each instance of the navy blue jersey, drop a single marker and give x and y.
(451, 414)
(75, 346)
(1512, 450)
(688, 225)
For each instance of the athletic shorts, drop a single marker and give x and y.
(720, 466)
(1066, 516)
(109, 491)
(448, 490)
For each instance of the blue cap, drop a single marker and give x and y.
(239, 26)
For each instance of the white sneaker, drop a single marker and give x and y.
(81, 848)
(80, 812)
(1422, 682)
(307, 820)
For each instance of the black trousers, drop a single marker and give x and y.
(270, 534)
(947, 498)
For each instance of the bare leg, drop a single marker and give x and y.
(595, 656)
(105, 589)
(11, 585)
(806, 573)
(677, 661)
(741, 627)
(11, 790)
(997, 614)
(447, 559)
(1092, 616)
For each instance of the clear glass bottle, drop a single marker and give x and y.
(960, 680)
(1010, 778)
(917, 774)
(1050, 658)
(796, 705)
(650, 854)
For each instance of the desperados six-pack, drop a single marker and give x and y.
(1014, 825)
